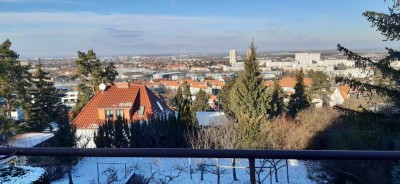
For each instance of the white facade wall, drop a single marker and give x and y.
(335, 62)
(279, 64)
(18, 114)
(307, 58)
(196, 90)
(70, 98)
(352, 72)
(336, 98)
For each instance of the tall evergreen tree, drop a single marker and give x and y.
(65, 136)
(120, 139)
(366, 129)
(99, 138)
(299, 100)
(44, 106)
(201, 101)
(14, 78)
(277, 105)
(178, 98)
(249, 99)
(225, 100)
(389, 82)
(7, 128)
(186, 116)
(92, 74)
(135, 135)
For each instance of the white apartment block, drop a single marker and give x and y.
(70, 98)
(307, 58)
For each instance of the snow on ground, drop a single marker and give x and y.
(31, 174)
(177, 170)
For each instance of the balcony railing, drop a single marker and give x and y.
(251, 155)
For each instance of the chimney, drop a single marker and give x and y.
(122, 85)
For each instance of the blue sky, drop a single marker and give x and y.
(40, 28)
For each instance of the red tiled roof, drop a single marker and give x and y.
(214, 97)
(344, 90)
(112, 98)
(289, 82)
(89, 115)
(131, 98)
(199, 86)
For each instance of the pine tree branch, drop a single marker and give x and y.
(369, 88)
(383, 65)
(387, 24)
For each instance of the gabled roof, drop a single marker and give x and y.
(112, 98)
(344, 90)
(291, 82)
(288, 82)
(119, 96)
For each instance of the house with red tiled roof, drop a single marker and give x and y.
(288, 84)
(340, 95)
(130, 101)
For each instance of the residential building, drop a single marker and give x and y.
(18, 114)
(129, 101)
(70, 99)
(340, 95)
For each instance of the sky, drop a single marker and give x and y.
(56, 28)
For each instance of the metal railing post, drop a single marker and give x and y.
(252, 167)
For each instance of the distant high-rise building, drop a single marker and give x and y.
(232, 57)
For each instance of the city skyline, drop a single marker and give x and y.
(42, 28)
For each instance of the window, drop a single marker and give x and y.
(109, 114)
(120, 113)
(141, 111)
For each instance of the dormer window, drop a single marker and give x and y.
(109, 114)
(141, 111)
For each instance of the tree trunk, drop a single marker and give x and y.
(8, 107)
(70, 175)
(234, 169)
(202, 172)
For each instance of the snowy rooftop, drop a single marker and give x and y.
(211, 118)
(29, 140)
